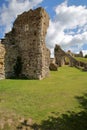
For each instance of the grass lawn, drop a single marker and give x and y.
(58, 102)
(81, 59)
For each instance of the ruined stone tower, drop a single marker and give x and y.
(26, 53)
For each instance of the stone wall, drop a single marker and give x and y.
(2, 54)
(80, 54)
(26, 53)
(52, 60)
(60, 56)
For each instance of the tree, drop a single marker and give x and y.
(85, 56)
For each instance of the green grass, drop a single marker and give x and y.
(81, 59)
(38, 99)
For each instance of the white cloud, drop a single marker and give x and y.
(69, 27)
(9, 11)
(84, 52)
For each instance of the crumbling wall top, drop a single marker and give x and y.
(32, 14)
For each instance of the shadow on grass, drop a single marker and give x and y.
(69, 121)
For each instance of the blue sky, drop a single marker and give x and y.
(53, 3)
(67, 25)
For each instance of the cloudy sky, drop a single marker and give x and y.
(68, 21)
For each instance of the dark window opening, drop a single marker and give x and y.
(18, 67)
(35, 33)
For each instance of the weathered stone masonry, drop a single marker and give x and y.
(2, 53)
(26, 53)
(60, 56)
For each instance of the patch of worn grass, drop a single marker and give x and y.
(38, 99)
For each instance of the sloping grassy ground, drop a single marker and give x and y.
(81, 59)
(58, 102)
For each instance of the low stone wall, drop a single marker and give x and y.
(53, 67)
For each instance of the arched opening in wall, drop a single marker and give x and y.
(65, 61)
(18, 67)
(62, 61)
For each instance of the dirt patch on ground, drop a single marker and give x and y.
(11, 121)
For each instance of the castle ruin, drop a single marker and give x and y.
(26, 55)
(59, 55)
(80, 54)
(61, 58)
